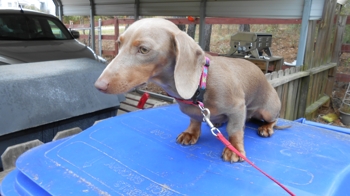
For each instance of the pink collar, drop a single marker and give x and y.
(197, 98)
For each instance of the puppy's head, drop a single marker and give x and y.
(151, 48)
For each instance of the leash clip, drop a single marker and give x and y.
(206, 118)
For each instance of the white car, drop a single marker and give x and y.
(31, 36)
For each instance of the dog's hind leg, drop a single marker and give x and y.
(191, 134)
(266, 130)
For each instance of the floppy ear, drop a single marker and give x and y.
(189, 62)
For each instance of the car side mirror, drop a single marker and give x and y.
(75, 34)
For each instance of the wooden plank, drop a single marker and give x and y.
(282, 80)
(297, 86)
(297, 90)
(274, 75)
(131, 96)
(108, 37)
(108, 22)
(328, 42)
(284, 95)
(310, 46)
(108, 52)
(321, 35)
(208, 20)
(332, 26)
(318, 86)
(322, 68)
(315, 87)
(326, 31)
(279, 88)
(329, 87)
(338, 47)
(125, 21)
(324, 81)
(291, 95)
(134, 103)
(127, 107)
(303, 95)
(309, 91)
(313, 107)
(149, 101)
(251, 21)
(120, 112)
(314, 83)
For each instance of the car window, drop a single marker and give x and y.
(31, 27)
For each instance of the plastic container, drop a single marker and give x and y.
(136, 154)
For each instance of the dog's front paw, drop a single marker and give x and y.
(186, 138)
(228, 155)
(265, 130)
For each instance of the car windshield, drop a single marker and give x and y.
(31, 27)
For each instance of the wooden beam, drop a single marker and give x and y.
(322, 68)
(237, 21)
(210, 21)
(313, 107)
(285, 79)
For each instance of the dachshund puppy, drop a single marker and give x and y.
(156, 50)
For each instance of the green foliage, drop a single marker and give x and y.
(346, 38)
(75, 19)
(345, 10)
(273, 29)
(31, 7)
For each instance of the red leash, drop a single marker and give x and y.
(216, 132)
(233, 149)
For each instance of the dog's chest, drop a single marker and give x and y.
(195, 113)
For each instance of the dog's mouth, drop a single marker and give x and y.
(109, 88)
(141, 85)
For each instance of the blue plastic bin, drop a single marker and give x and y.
(136, 154)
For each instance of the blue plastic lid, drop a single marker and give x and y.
(137, 154)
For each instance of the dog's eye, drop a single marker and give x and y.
(143, 50)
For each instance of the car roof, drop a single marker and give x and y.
(25, 11)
